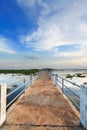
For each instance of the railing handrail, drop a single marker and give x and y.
(73, 83)
(57, 80)
(10, 84)
(19, 86)
(8, 99)
(14, 98)
(24, 84)
(14, 90)
(72, 91)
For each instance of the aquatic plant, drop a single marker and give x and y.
(69, 76)
(85, 83)
(8, 90)
(80, 75)
(15, 86)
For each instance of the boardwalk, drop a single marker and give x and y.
(42, 107)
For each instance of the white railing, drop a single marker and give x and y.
(77, 94)
(7, 98)
(72, 90)
(2, 103)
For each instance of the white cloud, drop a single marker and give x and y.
(79, 51)
(5, 46)
(69, 54)
(43, 38)
(26, 3)
(59, 24)
(30, 7)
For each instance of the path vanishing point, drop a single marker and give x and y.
(42, 107)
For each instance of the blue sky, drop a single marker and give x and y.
(43, 33)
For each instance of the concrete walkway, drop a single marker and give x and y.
(42, 107)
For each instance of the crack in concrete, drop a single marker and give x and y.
(31, 125)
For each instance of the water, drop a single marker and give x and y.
(10, 78)
(16, 93)
(75, 79)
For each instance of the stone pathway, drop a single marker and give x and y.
(42, 107)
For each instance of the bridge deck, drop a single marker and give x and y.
(42, 107)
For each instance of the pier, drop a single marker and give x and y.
(42, 106)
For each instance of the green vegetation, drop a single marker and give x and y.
(69, 76)
(8, 90)
(15, 86)
(85, 83)
(80, 75)
(25, 72)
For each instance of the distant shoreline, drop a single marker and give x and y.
(25, 72)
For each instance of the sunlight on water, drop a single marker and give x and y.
(10, 78)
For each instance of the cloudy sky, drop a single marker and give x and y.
(43, 33)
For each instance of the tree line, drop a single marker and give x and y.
(25, 72)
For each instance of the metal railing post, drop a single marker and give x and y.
(30, 79)
(56, 78)
(83, 106)
(62, 85)
(3, 103)
(24, 84)
(52, 77)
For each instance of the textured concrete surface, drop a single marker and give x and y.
(42, 107)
